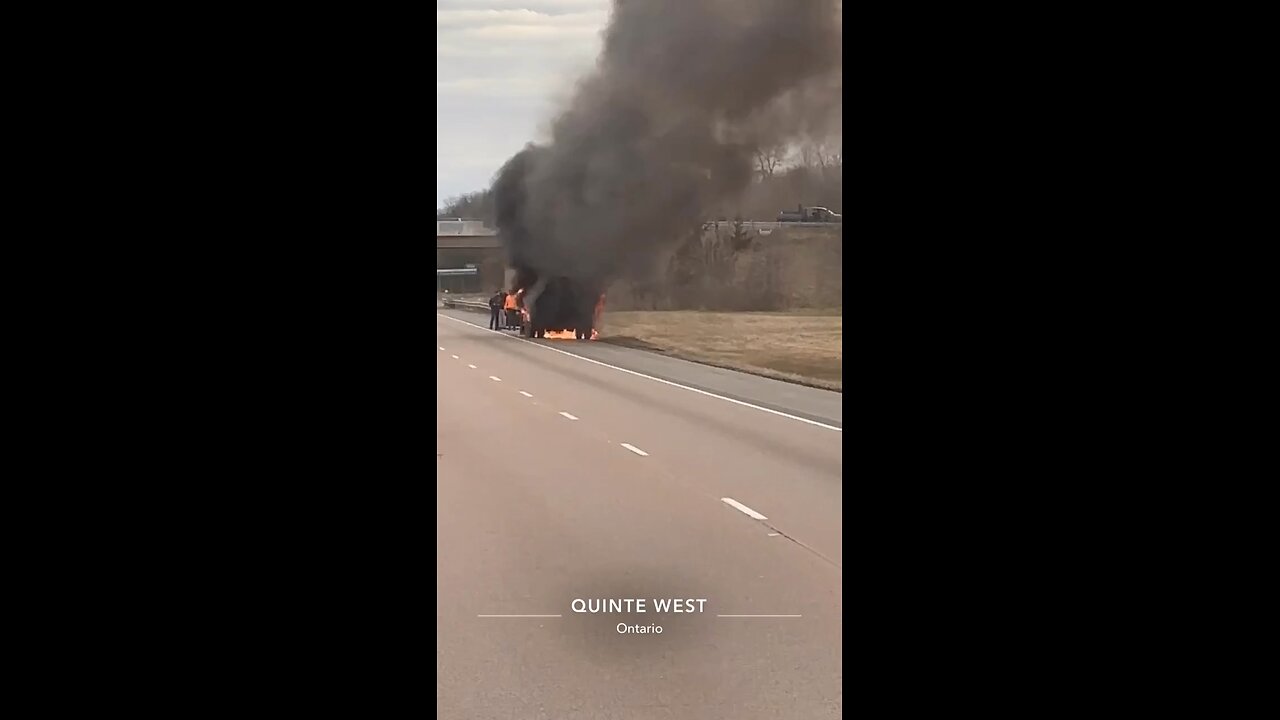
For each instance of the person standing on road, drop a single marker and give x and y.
(509, 309)
(495, 310)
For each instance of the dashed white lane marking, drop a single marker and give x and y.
(495, 378)
(634, 449)
(455, 357)
(440, 346)
(525, 394)
(650, 377)
(473, 367)
(774, 534)
(735, 504)
(571, 417)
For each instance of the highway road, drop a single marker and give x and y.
(570, 470)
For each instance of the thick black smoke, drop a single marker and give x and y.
(683, 93)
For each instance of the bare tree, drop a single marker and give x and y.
(475, 206)
(808, 155)
(768, 160)
(820, 154)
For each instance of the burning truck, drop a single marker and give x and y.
(559, 308)
(659, 132)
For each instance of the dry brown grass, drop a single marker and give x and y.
(798, 346)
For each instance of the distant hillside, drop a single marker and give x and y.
(728, 266)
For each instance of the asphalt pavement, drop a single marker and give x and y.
(812, 403)
(579, 471)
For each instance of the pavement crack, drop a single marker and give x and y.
(801, 543)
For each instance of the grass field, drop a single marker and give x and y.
(799, 346)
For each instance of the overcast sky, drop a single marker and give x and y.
(503, 67)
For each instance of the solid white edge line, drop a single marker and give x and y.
(634, 449)
(495, 378)
(650, 377)
(525, 394)
(571, 417)
(735, 504)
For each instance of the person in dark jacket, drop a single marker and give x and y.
(495, 310)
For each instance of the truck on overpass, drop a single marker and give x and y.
(809, 215)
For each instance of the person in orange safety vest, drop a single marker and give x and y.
(510, 307)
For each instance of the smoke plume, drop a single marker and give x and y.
(683, 93)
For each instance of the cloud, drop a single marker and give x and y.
(501, 67)
(466, 32)
(515, 86)
(546, 7)
(450, 19)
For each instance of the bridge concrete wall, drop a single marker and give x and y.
(490, 262)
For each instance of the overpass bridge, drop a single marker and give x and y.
(465, 234)
(444, 242)
(467, 245)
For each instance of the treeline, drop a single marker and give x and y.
(809, 175)
(471, 206)
(725, 266)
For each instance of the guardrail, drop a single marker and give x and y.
(464, 304)
(765, 229)
(766, 224)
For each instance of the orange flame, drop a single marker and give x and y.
(567, 335)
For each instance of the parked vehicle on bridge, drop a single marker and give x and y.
(809, 214)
